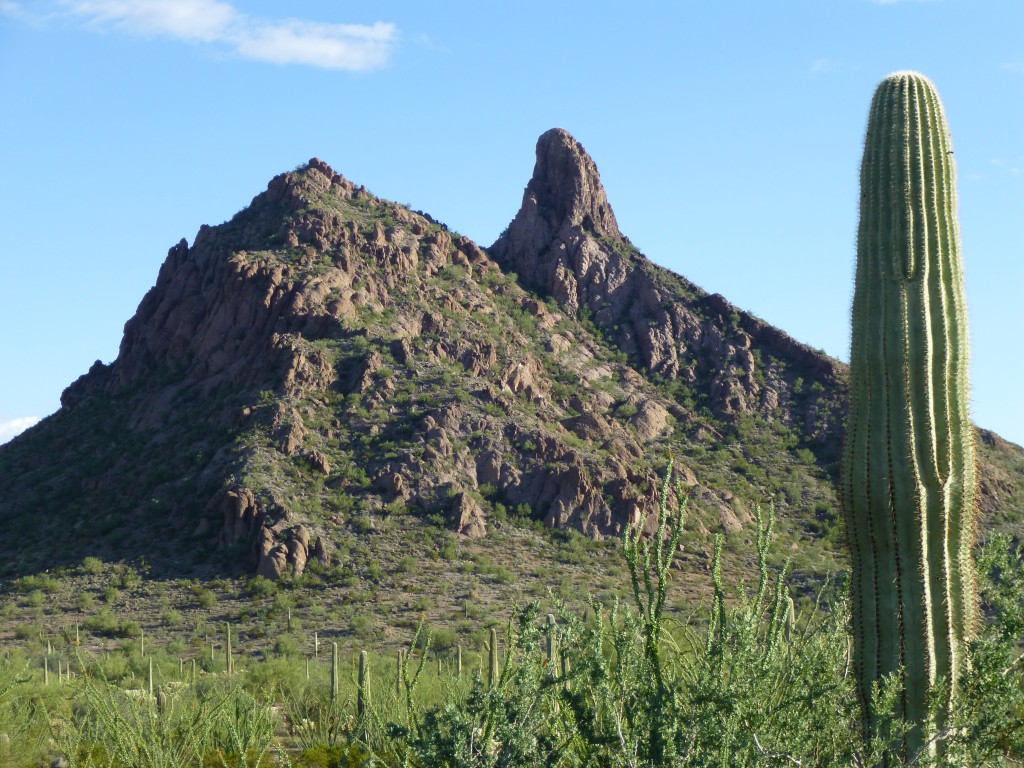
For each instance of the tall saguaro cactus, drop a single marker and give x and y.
(908, 488)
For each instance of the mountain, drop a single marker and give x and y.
(327, 363)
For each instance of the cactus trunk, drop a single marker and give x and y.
(334, 672)
(363, 690)
(551, 650)
(228, 660)
(492, 659)
(908, 488)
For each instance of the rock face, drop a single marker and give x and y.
(327, 357)
(565, 243)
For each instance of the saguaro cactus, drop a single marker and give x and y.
(334, 672)
(229, 660)
(363, 690)
(908, 488)
(492, 659)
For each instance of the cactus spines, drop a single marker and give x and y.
(363, 690)
(908, 487)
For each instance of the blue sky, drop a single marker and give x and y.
(728, 136)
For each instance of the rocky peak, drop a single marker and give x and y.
(564, 242)
(566, 187)
(564, 205)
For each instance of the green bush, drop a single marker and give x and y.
(261, 586)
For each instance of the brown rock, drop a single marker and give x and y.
(728, 520)
(469, 519)
(589, 426)
(650, 420)
(320, 462)
(273, 563)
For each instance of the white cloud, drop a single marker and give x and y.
(191, 20)
(286, 41)
(11, 429)
(1012, 167)
(820, 66)
(332, 46)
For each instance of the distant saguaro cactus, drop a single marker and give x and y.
(492, 659)
(228, 658)
(334, 672)
(551, 650)
(363, 689)
(908, 477)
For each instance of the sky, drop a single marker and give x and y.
(728, 136)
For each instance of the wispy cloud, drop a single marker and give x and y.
(1017, 67)
(11, 429)
(894, 2)
(327, 45)
(1012, 167)
(820, 66)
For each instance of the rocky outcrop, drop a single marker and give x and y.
(468, 517)
(565, 242)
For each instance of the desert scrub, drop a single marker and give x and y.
(108, 725)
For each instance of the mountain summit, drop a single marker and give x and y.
(564, 243)
(328, 364)
(564, 192)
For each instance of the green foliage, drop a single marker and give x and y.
(114, 727)
(261, 586)
(757, 676)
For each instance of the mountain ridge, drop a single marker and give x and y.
(327, 359)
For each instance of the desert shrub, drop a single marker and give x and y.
(104, 622)
(85, 601)
(261, 586)
(172, 618)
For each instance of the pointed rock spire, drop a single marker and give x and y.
(565, 211)
(566, 187)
